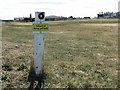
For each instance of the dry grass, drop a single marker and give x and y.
(77, 54)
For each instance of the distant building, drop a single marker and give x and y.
(86, 17)
(70, 17)
(100, 16)
(47, 18)
(54, 18)
(107, 15)
(118, 13)
(24, 19)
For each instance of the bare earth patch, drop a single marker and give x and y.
(114, 25)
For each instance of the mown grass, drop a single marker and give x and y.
(78, 54)
(85, 21)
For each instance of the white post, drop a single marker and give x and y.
(38, 52)
(40, 27)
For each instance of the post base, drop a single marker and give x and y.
(33, 78)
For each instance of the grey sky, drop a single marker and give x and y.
(77, 8)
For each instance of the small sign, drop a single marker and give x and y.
(40, 27)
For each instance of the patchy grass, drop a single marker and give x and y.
(78, 53)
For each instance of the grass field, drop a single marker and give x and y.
(78, 54)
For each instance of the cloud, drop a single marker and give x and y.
(76, 8)
(43, 2)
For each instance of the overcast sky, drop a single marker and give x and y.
(76, 8)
